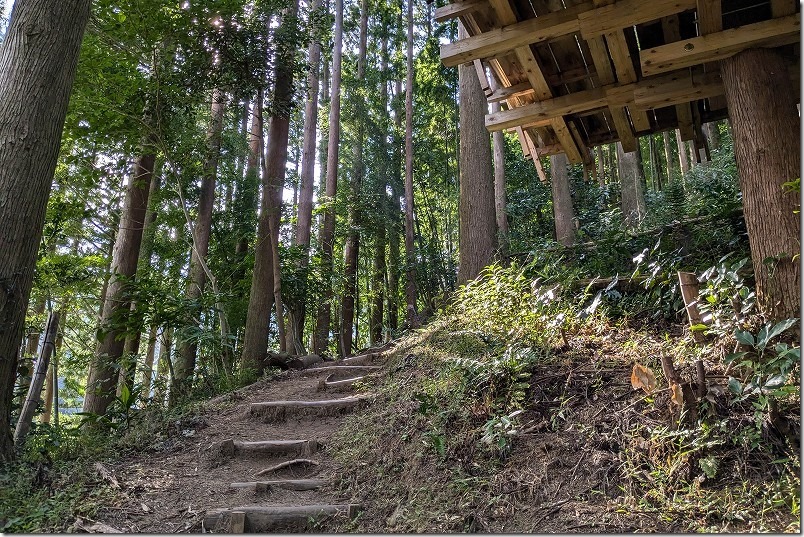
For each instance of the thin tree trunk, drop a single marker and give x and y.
(277, 156)
(327, 238)
(601, 171)
(164, 367)
(188, 349)
(38, 59)
(35, 389)
(668, 156)
(379, 264)
(656, 163)
(633, 196)
(304, 220)
(352, 247)
(261, 296)
(563, 212)
(103, 372)
(477, 226)
(712, 135)
(30, 353)
(411, 316)
(767, 141)
(500, 198)
(683, 157)
(148, 371)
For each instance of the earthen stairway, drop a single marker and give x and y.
(289, 493)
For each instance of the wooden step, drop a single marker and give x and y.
(331, 384)
(340, 370)
(277, 411)
(233, 447)
(279, 518)
(286, 484)
(361, 359)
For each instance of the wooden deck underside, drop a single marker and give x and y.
(573, 74)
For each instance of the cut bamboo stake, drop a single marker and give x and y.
(38, 380)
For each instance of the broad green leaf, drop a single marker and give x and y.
(745, 337)
(734, 386)
(780, 327)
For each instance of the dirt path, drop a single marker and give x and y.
(186, 483)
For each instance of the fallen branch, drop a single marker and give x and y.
(287, 464)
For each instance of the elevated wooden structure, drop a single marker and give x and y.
(573, 74)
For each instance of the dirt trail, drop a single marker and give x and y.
(179, 486)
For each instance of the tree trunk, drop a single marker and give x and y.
(197, 278)
(261, 296)
(668, 156)
(103, 372)
(51, 395)
(500, 199)
(148, 371)
(683, 157)
(352, 247)
(563, 213)
(327, 239)
(164, 366)
(411, 315)
(30, 353)
(601, 171)
(656, 163)
(476, 225)
(379, 264)
(38, 380)
(304, 220)
(712, 135)
(766, 126)
(633, 196)
(38, 59)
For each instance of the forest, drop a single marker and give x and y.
(372, 266)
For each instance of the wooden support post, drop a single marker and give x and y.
(237, 522)
(688, 283)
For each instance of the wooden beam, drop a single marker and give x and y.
(500, 40)
(456, 9)
(624, 67)
(671, 31)
(503, 94)
(481, 76)
(710, 21)
(543, 112)
(627, 13)
(713, 47)
(677, 88)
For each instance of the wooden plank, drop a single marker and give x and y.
(624, 67)
(456, 9)
(685, 122)
(586, 156)
(671, 31)
(626, 13)
(500, 40)
(481, 76)
(503, 94)
(543, 112)
(713, 47)
(710, 21)
(677, 88)
(523, 142)
(623, 127)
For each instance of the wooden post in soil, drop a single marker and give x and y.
(38, 380)
(688, 283)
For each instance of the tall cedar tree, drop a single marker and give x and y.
(352, 247)
(327, 238)
(563, 212)
(767, 138)
(411, 316)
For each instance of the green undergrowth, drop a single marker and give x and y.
(514, 411)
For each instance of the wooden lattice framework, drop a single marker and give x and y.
(573, 74)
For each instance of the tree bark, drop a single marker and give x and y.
(197, 277)
(712, 134)
(352, 247)
(683, 157)
(261, 297)
(668, 156)
(563, 213)
(601, 169)
(103, 372)
(51, 395)
(633, 196)
(304, 219)
(327, 239)
(38, 59)
(477, 221)
(500, 198)
(411, 315)
(767, 139)
(148, 371)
